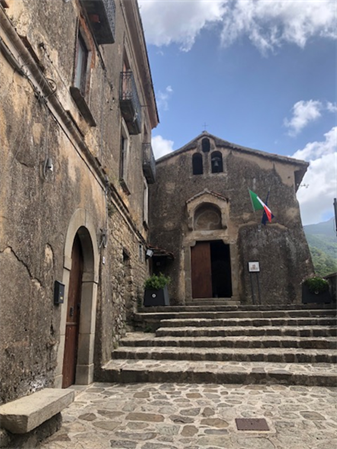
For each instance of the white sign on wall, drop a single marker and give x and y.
(253, 267)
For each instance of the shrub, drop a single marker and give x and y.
(156, 282)
(317, 285)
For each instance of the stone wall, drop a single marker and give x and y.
(121, 285)
(332, 279)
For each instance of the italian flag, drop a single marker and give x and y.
(258, 204)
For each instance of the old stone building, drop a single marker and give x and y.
(201, 212)
(76, 112)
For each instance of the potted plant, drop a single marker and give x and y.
(155, 293)
(315, 290)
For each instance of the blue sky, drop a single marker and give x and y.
(258, 73)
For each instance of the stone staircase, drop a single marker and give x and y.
(229, 344)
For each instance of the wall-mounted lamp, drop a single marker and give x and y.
(48, 166)
(148, 254)
(102, 238)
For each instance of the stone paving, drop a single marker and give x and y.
(197, 416)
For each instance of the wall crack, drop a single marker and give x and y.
(8, 250)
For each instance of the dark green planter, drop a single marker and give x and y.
(154, 298)
(317, 298)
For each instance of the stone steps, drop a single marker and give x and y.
(277, 355)
(236, 311)
(258, 322)
(293, 345)
(228, 331)
(128, 371)
(137, 339)
(153, 318)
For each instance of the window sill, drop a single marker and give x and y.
(82, 105)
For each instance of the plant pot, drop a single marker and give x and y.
(319, 298)
(156, 297)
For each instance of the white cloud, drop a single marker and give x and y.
(270, 23)
(321, 178)
(161, 146)
(331, 107)
(163, 98)
(267, 23)
(170, 21)
(304, 112)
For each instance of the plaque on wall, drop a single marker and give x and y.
(253, 267)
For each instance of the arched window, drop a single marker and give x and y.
(216, 161)
(197, 164)
(205, 145)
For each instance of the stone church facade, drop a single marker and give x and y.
(201, 212)
(77, 108)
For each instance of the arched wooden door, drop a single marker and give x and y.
(73, 315)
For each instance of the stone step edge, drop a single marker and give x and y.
(242, 309)
(273, 355)
(300, 331)
(232, 342)
(254, 374)
(229, 309)
(243, 328)
(303, 321)
(175, 349)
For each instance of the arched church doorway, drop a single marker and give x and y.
(211, 270)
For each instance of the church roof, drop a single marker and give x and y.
(225, 144)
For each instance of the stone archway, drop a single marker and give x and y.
(210, 248)
(81, 225)
(207, 217)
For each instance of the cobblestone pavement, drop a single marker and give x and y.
(193, 416)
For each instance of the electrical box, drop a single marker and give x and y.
(58, 292)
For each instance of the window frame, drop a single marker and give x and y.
(215, 154)
(197, 164)
(82, 73)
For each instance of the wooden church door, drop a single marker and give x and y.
(73, 315)
(201, 270)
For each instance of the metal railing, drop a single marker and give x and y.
(129, 101)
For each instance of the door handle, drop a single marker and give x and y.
(71, 311)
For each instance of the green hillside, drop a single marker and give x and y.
(322, 242)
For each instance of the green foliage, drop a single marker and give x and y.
(317, 285)
(322, 242)
(156, 282)
(323, 263)
(326, 244)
